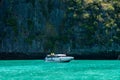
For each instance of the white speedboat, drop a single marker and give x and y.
(58, 58)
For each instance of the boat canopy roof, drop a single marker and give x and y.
(60, 54)
(57, 55)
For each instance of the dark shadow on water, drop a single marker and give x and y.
(80, 56)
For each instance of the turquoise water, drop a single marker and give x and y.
(74, 70)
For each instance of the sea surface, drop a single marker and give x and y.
(74, 70)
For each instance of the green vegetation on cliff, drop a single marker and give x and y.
(69, 26)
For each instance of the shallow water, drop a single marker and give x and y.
(74, 70)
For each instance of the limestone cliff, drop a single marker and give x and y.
(61, 26)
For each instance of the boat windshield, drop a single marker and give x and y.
(60, 55)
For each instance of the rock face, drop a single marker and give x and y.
(25, 24)
(61, 26)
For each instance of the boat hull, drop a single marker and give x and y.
(59, 59)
